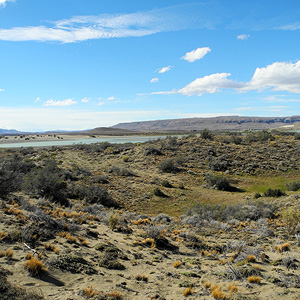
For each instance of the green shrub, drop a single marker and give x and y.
(159, 193)
(274, 193)
(168, 166)
(206, 134)
(293, 186)
(48, 182)
(220, 183)
(297, 136)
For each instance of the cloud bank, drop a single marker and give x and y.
(279, 76)
(4, 2)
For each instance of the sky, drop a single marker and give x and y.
(81, 64)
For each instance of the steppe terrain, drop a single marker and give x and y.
(214, 216)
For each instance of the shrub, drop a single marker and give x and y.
(274, 193)
(48, 182)
(293, 186)
(159, 193)
(168, 166)
(206, 134)
(144, 278)
(113, 221)
(166, 184)
(291, 217)
(297, 136)
(93, 194)
(218, 182)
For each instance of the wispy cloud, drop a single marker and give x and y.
(196, 54)
(4, 2)
(66, 102)
(164, 69)
(81, 28)
(243, 37)
(279, 98)
(111, 98)
(37, 99)
(85, 100)
(2, 90)
(154, 80)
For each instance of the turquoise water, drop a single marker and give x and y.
(117, 140)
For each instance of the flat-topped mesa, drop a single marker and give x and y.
(213, 123)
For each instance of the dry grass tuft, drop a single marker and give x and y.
(89, 291)
(282, 247)
(177, 264)
(188, 291)
(251, 258)
(35, 267)
(254, 279)
(7, 253)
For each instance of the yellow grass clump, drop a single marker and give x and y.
(177, 264)
(3, 235)
(251, 258)
(51, 247)
(188, 291)
(35, 267)
(217, 293)
(232, 288)
(89, 291)
(282, 247)
(7, 253)
(254, 279)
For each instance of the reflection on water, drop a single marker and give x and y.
(117, 140)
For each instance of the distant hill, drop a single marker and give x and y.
(108, 131)
(9, 131)
(215, 123)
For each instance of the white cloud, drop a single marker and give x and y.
(207, 85)
(154, 80)
(280, 76)
(196, 54)
(3, 2)
(66, 102)
(85, 100)
(243, 37)
(81, 28)
(165, 69)
(2, 90)
(101, 103)
(111, 98)
(37, 99)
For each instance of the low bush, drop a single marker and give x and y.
(168, 166)
(35, 267)
(274, 193)
(293, 186)
(206, 134)
(220, 183)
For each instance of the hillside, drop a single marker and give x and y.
(216, 123)
(209, 217)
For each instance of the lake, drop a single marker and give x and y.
(117, 140)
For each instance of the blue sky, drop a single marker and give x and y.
(79, 64)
